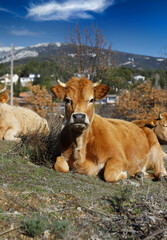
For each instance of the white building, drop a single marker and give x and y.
(26, 81)
(6, 78)
(109, 99)
(139, 77)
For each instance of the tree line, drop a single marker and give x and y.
(92, 57)
(117, 79)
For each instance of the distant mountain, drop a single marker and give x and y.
(45, 51)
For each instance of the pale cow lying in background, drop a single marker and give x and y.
(158, 125)
(16, 121)
(89, 143)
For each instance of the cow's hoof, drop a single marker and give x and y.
(163, 179)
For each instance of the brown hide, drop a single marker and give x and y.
(158, 125)
(89, 143)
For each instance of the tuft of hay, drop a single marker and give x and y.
(40, 148)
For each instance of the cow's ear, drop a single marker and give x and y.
(100, 91)
(58, 91)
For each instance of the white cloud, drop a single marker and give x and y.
(5, 10)
(67, 9)
(24, 32)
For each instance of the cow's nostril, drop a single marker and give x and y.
(80, 117)
(83, 116)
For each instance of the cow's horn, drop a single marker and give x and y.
(159, 116)
(2, 90)
(97, 83)
(61, 83)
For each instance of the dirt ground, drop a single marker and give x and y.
(38, 203)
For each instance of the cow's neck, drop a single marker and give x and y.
(79, 145)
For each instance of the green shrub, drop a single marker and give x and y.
(35, 227)
(60, 228)
(120, 200)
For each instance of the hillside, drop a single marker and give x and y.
(37, 202)
(45, 51)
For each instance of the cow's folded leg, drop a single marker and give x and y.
(158, 164)
(10, 135)
(159, 170)
(114, 171)
(61, 165)
(2, 132)
(87, 167)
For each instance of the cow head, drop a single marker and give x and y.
(161, 127)
(79, 96)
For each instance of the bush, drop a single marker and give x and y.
(60, 228)
(35, 227)
(141, 102)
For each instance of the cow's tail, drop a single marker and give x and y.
(157, 156)
(154, 160)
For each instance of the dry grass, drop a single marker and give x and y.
(40, 148)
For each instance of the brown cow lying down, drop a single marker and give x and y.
(19, 120)
(89, 143)
(158, 125)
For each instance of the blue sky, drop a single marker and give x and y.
(135, 26)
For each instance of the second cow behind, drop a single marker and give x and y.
(15, 121)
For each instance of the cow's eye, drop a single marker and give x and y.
(91, 100)
(67, 100)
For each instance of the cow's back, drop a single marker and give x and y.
(6, 114)
(112, 138)
(29, 120)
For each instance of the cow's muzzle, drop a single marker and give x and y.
(79, 121)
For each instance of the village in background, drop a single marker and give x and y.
(29, 80)
(137, 83)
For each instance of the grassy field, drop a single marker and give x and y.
(37, 202)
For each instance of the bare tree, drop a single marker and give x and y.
(91, 51)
